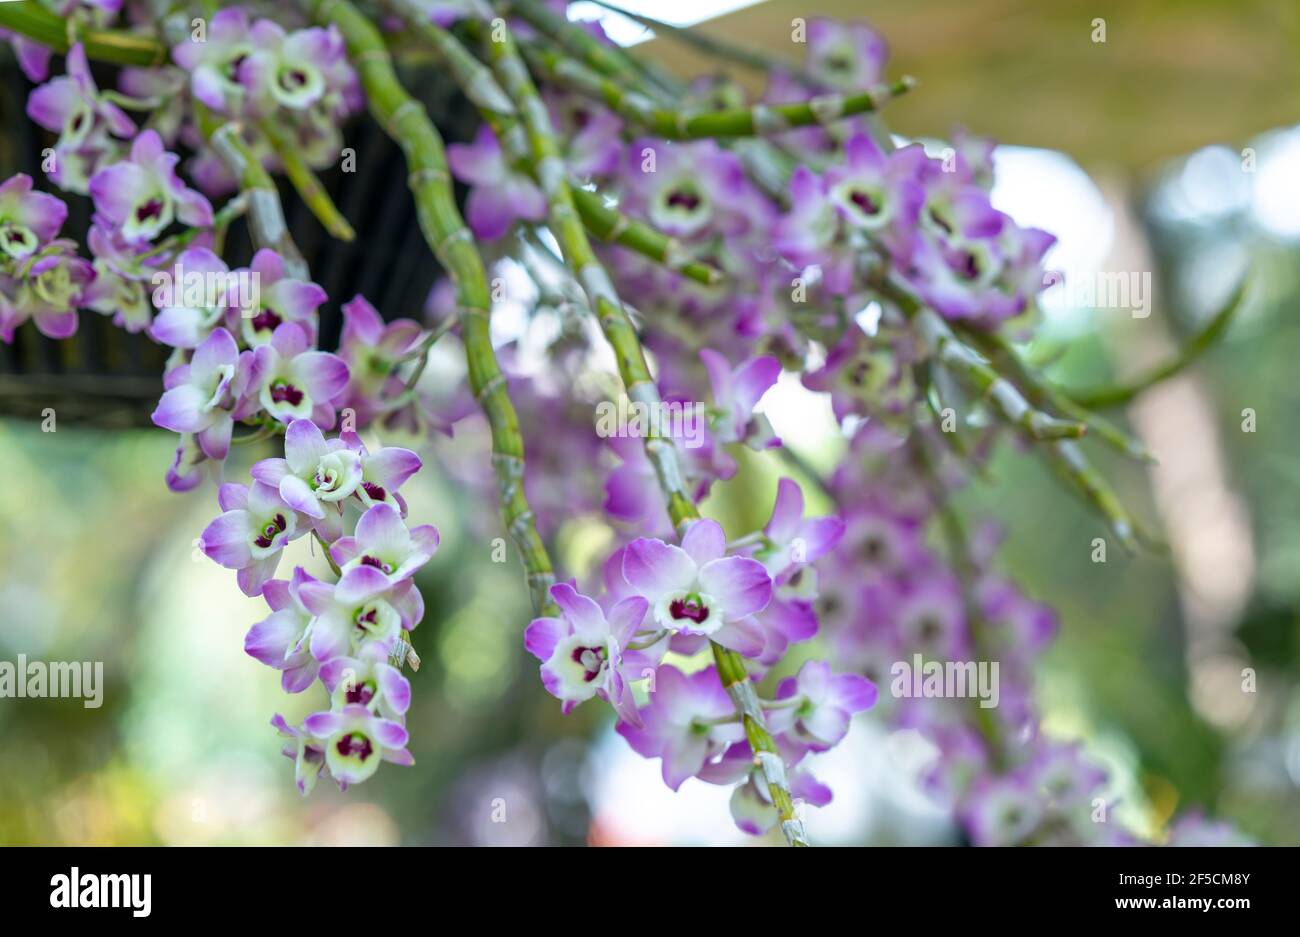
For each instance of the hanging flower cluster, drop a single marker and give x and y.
(713, 243)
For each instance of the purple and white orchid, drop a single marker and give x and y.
(251, 533)
(581, 651)
(142, 196)
(696, 588)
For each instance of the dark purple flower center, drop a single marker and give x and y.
(376, 563)
(361, 693)
(16, 235)
(293, 79)
(864, 203)
(368, 617)
(683, 198)
(968, 265)
(591, 660)
(690, 607)
(354, 743)
(266, 321)
(284, 392)
(275, 526)
(149, 211)
(376, 492)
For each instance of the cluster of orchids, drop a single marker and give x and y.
(713, 243)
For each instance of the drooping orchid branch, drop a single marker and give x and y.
(957, 542)
(602, 220)
(1068, 458)
(974, 371)
(1047, 396)
(266, 220)
(113, 46)
(768, 165)
(405, 120)
(611, 225)
(1059, 436)
(1196, 346)
(669, 124)
(304, 180)
(606, 60)
(617, 327)
(474, 79)
(742, 55)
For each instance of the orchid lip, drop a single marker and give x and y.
(361, 692)
(691, 612)
(265, 321)
(377, 563)
(284, 392)
(270, 531)
(225, 374)
(355, 745)
(689, 607)
(17, 240)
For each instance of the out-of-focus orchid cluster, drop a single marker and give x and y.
(735, 241)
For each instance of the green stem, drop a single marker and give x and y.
(959, 554)
(767, 165)
(605, 59)
(117, 47)
(719, 48)
(405, 120)
(305, 182)
(1049, 397)
(958, 358)
(328, 558)
(266, 221)
(1068, 459)
(472, 77)
(1197, 345)
(603, 221)
(755, 120)
(609, 224)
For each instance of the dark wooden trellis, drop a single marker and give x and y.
(106, 377)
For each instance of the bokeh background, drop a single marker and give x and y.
(1131, 151)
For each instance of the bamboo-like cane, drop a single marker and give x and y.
(304, 180)
(640, 386)
(266, 221)
(603, 221)
(440, 220)
(103, 45)
(670, 124)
